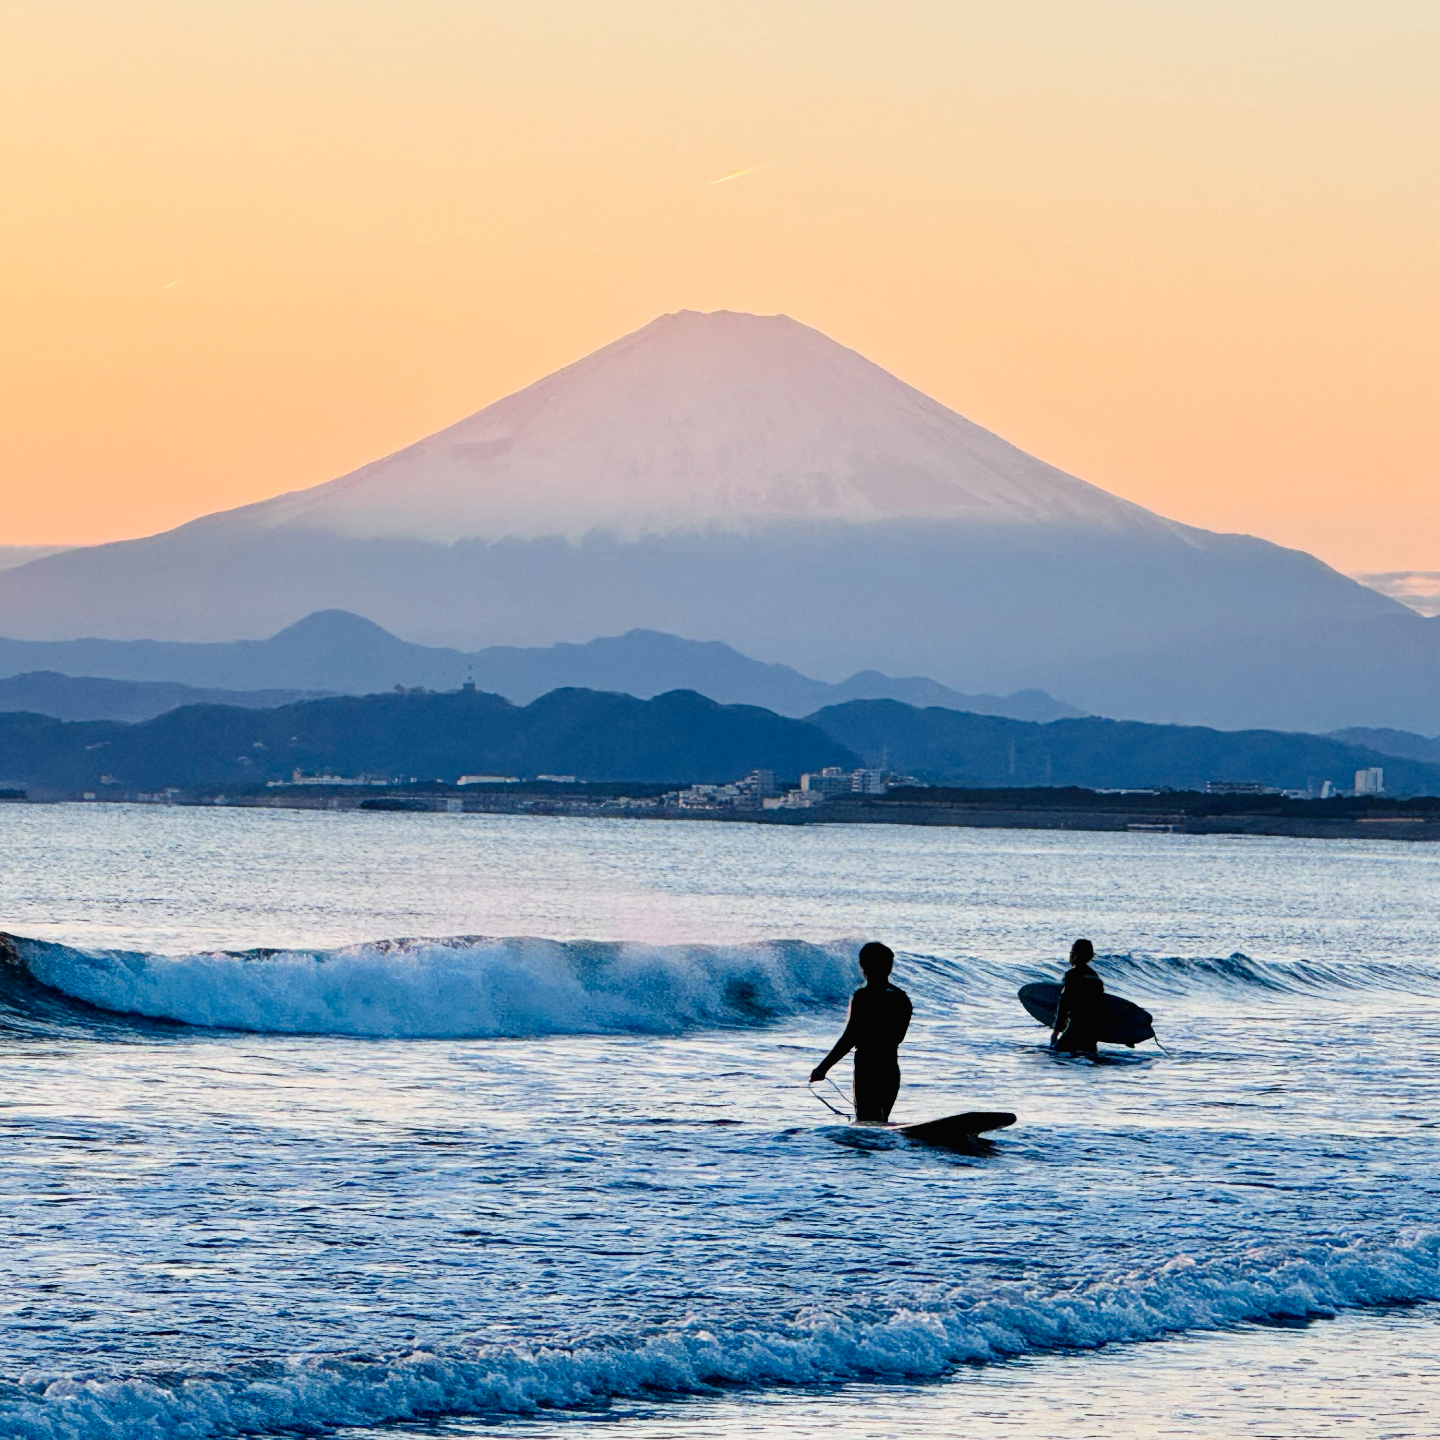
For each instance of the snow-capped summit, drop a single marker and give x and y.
(698, 421)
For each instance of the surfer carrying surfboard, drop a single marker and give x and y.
(879, 1017)
(1082, 996)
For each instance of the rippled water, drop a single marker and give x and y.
(460, 1180)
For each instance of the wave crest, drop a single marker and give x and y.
(460, 988)
(1181, 974)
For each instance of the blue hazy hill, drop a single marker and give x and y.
(678, 737)
(89, 697)
(336, 651)
(951, 748)
(674, 738)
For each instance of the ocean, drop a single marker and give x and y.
(382, 1125)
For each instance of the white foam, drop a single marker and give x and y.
(461, 988)
(478, 987)
(315, 1392)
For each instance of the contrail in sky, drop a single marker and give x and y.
(739, 174)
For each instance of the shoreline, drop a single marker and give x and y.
(1183, 813)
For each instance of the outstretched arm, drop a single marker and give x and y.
(843, 1046)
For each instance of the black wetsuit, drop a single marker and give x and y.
(1077, 1019)
(879, 1018)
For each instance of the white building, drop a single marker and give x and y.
(762, 782)
(1370, 782)
(832, 780)
(868, 782)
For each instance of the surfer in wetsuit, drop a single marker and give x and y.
(879, 1017)
(1077, 1018)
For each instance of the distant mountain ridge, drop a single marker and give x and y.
(68, 697)
(979, 751)
(1401, 743)
(336, 651)
(674, 738)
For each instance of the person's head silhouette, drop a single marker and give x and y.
(1082, 952)
(876, 962)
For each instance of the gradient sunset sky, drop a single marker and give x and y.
(1188, 251)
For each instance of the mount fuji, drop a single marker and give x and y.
(744, 479)
(698, 423)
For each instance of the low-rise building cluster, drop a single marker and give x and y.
(750, 793)
(758, 790)
(833, 782)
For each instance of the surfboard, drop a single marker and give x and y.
(957, 1131)
(1121, 1023)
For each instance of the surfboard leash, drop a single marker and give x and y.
(843, 1114)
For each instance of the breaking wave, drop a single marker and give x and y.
(313, 1393)
(460, 988)
(1141, 975)
(1182, 974)
(476, 987)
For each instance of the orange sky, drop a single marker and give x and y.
(1187, 251)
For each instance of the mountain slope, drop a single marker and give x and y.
(693, 422)
(13, 555)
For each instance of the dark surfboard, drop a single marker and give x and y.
(1121, 1023)
(957, 1132)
